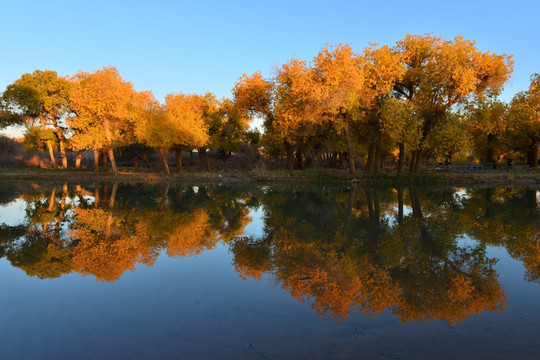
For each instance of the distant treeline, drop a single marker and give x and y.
(425, 98)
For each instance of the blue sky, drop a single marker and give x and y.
(195, 47)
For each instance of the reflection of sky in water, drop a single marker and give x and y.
(13, 213)
(255, 227)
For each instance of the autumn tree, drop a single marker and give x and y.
(185, 120)
(151, 126)
(449, 138)
(281, 104)
(399, 123)
(487, 126)
(40, 97)
(523, 121)
(297, 117)
(341, 88)
(103, 104)
(227, 130)
(441, 73)
(254, 95)
(383, 69)
(212, 120)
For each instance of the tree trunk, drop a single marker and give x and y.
(163, 158)
(60, 138)
(418, 161)
(350, 149)
(51, 153)
(369, 160)
(490, 152)
(106, 128)
(299, 159)
(532, 156)
(377, 156)
(48, 142)
(78, 160)
(202, 155)
(401, 157)
(135, 162)
(290, 153)
(178, 160)
(413, 160)
(63, 155)
(96, 160)
(113, 162)
(104, 160)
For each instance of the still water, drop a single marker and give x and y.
(139, 271)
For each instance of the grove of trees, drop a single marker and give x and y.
(423, 99)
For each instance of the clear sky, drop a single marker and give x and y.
(201, 46)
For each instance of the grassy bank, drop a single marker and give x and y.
(277, 176)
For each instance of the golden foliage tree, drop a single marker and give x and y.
(185, 115)
(523, 121)
(104, 106)
(43, 97)
(442, 73)
(341, 88)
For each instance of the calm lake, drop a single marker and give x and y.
(140, 271)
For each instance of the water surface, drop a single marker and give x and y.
(138, 271)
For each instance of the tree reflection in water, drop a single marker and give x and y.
(422, 255)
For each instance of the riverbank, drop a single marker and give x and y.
(278, 176)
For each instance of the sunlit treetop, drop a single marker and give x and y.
(104, 106)
(383, 68)
(440, 73)
(254, 94)
(185, 114)
(38, 93)
(294, 89)
(103, 93)
(340, 78)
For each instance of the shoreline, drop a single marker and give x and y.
(528, 177)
